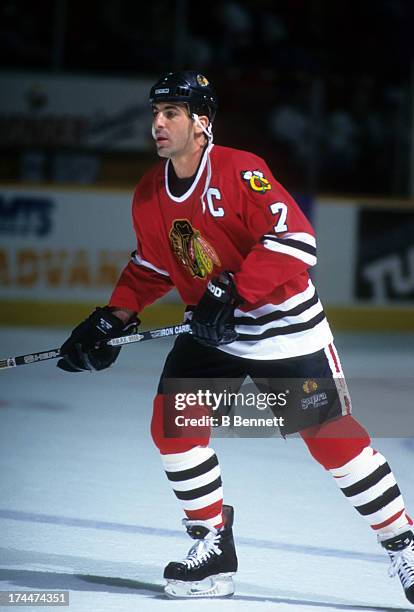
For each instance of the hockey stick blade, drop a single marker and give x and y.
(150, 334)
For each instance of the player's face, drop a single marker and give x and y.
(173, 130)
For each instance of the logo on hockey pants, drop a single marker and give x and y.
(310, 385)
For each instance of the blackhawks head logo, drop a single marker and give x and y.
(256, 180)
(192, 250)
(310, 385)
(201, 80)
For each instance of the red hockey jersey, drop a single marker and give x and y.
(234, 217)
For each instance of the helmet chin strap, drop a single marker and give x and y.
(209, 133)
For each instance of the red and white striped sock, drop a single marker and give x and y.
(196, 481)
(369, 484)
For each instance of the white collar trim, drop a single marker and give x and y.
(194, 183)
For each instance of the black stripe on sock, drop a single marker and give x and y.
(201, 491)
(193, 472)
(380, 502)
(367, 482)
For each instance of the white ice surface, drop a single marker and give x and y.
(86, 507)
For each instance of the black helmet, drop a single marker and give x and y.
(189, 87)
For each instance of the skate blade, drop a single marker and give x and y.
(214, 586)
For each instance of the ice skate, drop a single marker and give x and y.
(210, 563)
(401, 551)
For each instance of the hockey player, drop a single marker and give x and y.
(214, 223)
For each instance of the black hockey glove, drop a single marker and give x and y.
(80, 353)
(212, 323)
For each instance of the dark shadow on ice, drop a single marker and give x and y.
(40, 404)
(122, 583)
(76, 582)
(43, 580)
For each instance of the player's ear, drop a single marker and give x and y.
(204, 120)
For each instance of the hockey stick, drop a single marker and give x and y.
(151, 334)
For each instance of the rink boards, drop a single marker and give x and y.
(63, 248)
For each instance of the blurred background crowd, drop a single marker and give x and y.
(322, 89)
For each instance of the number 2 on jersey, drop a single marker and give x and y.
(279, 208)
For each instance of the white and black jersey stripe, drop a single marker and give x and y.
(297, 326)
(278, 313)
(196, 481)
(299, 244)
(369, 484)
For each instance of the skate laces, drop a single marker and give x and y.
(402, 563)
(205, 547)
(202, 550)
